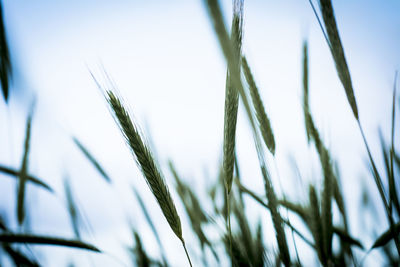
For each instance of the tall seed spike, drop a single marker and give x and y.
(262, 118)
(337, 51)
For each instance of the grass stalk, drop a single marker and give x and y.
(187, 254)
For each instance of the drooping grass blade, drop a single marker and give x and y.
(46, 240)
(30, 178)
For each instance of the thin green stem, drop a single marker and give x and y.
(319, 22)
(187, 254)
(228, 214)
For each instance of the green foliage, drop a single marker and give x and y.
(244, 241)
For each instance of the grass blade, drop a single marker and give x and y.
(195, 212)
(344, 236)
(393, 198)
(151, 224)
(297, 232)
(386, 236)
(29, 178)
(90, 157)
(244, 189)
(72, 209)
(5, 61)
(18, 258)
(45, 240)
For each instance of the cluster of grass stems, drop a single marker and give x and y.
(244, 243)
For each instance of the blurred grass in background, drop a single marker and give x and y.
(231, 219)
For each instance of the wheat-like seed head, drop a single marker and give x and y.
(338, 52)
(263, 120)
(146, 163)
(232, 95)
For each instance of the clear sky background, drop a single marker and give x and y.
(168, 66)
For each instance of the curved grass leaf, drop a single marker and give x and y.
(387, 158)
(195, 212)
(297, 232)
(18, 257)
(32, 179)
(151, 224)
(344, 236)
(296, 208)
(90, 157)
(388, 235)
(72, 209)
(244, 189)
(45, 240)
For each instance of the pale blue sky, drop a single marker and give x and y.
(167, 64)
